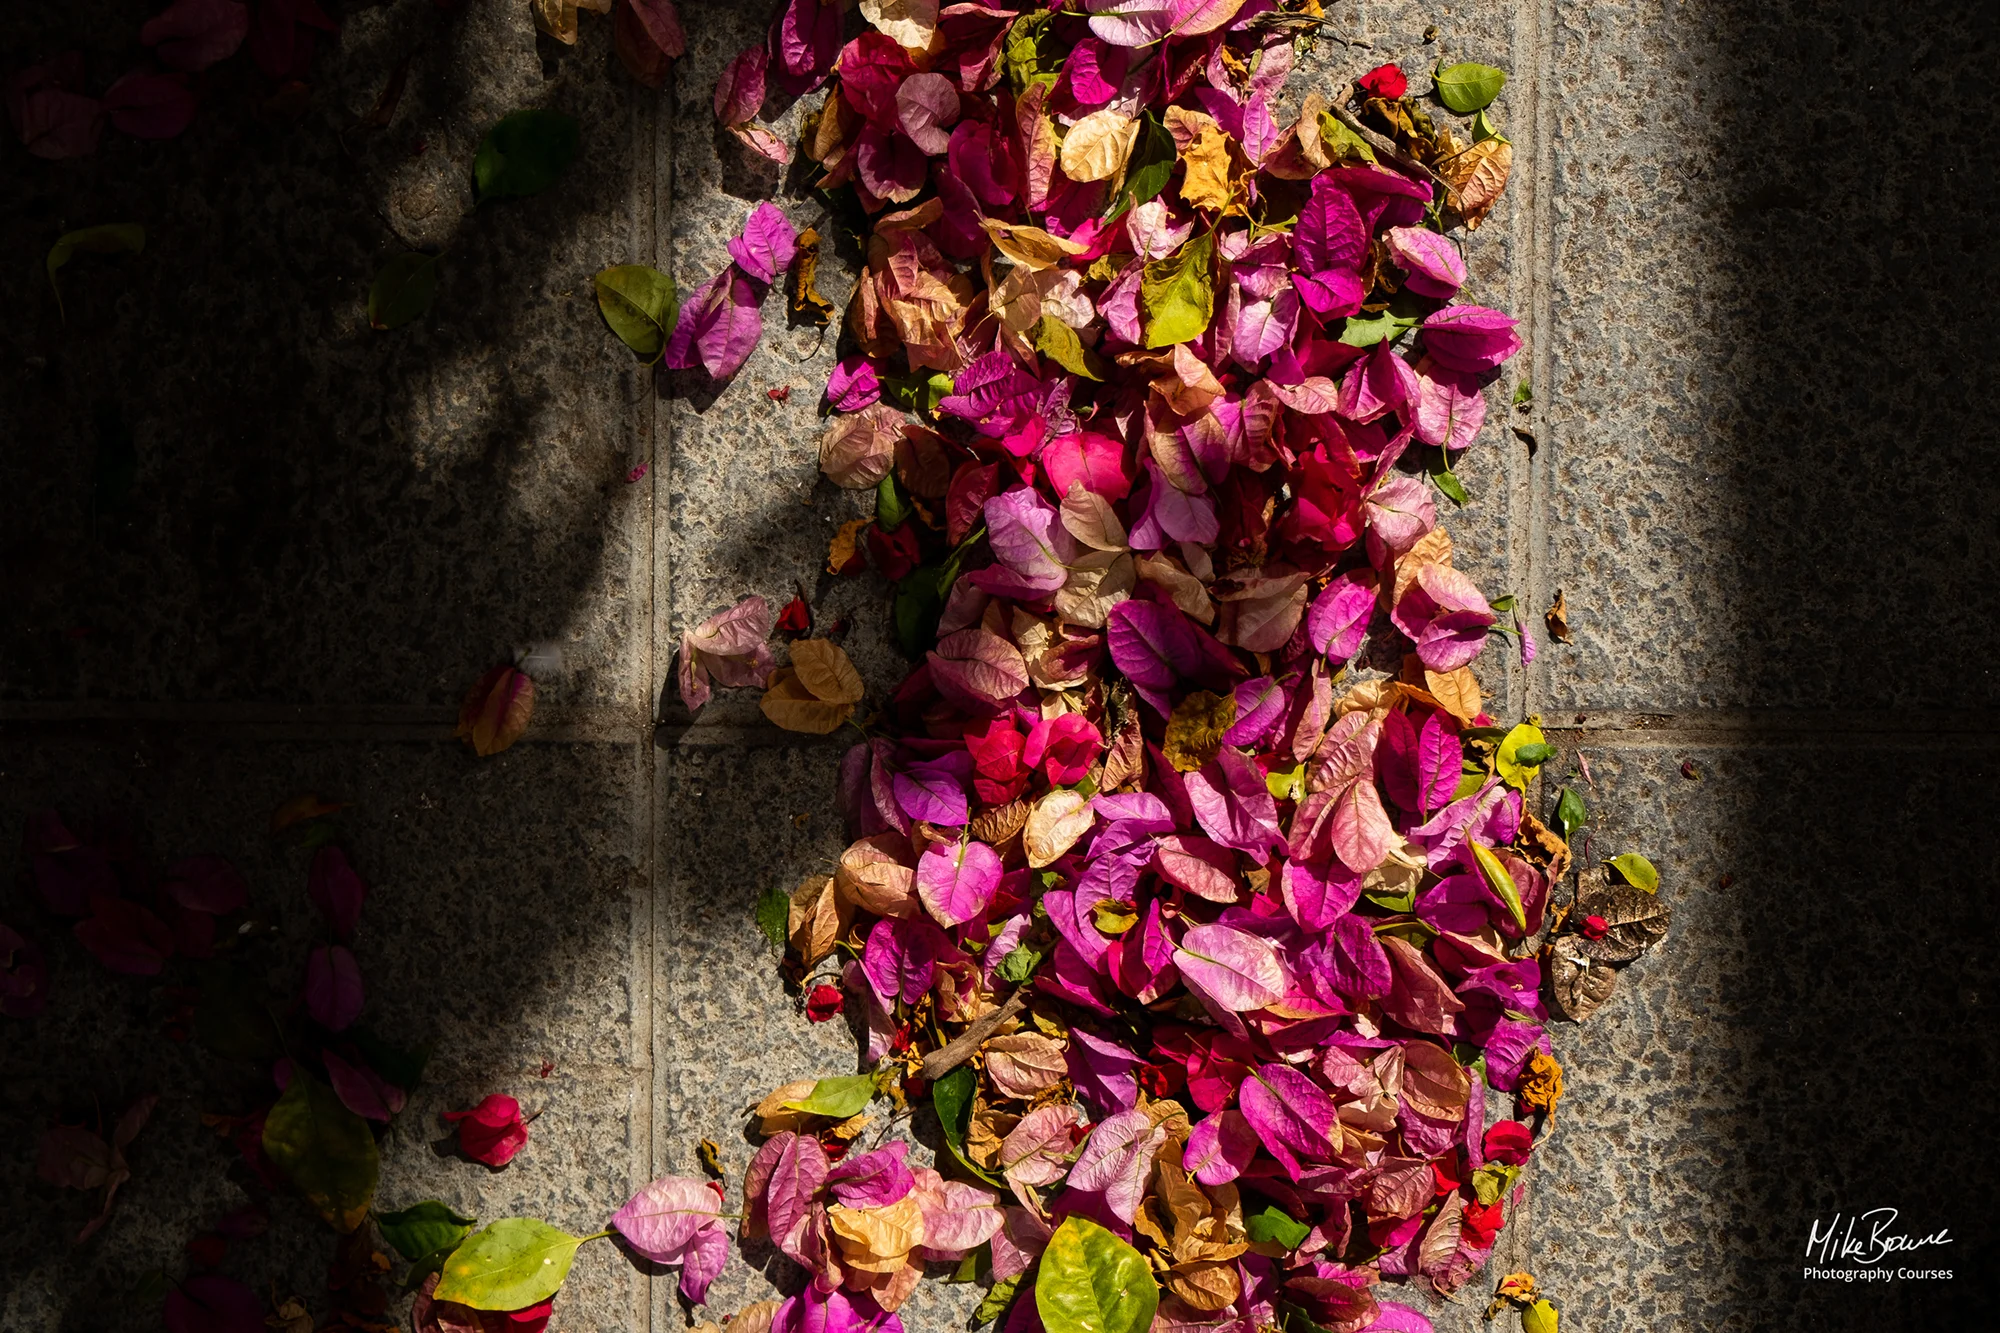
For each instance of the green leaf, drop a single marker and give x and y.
(423, 1229)
(1494, 1179)
(639, 304)
(1093, 1282)
(1505, 603)
(1539, 1318)
(951, 1099)
(326, 1150)
(1483, 129)
(1019, 964)
(1500, 882)
(1535, 755)
(1294, 1319)
(1523, 393)
(838, 1097)
(976, 1264)
(1361, 332)
(510, 1265)
(402, 291)
(404, 1068)
(1466, 88)
(918, 606)
(1341, 142)
(110, 239)
(999, 1300)
(1570, 814)
(774, 913)
(230, 1018)
(1275, 1226)
(1178, 293)
(1447, 480)
(524, 154)
(1406, 901)
(917, 392)
(1031, 51)
(1637, 870)
(891, 509)
(1058, 341)
(1151, 165)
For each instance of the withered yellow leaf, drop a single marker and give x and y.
(1027, 245)
(825, 670)
(1058, 820)
(1457, 690)
(1194, 732)
(878, 1240)
(1211, 174)
(1097, 147)
(1477, 176)
(790, 704)
(557, 18)
(806, 299)
(1205, 1285)
(845, 546)
(776, 1111)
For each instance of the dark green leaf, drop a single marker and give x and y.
(891, 509)
(1534, 755)
(951, 1099)
(509, 1266)
(423, 1229)
(1178, 293)
(838, 1098)
(1465, 88)
(919, 603)
(1293, 1319)
(230, 1018)
(1151, 165)
(524, 154)
(404, 1068)
(1570, 814)
(1093, 1282)
(1447, 480)
(999, 1300)
(774, 911)
(639, 304)
(326, 1150)
(1275, 1226)
(1031, 51)
(402, 290)
(1058, 341)
(1366, 332)
(916, 392)
(1019, 964)
(1637, 870)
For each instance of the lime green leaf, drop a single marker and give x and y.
(1178, 293)
(402, 291)
(1637, 870)
(1447, 480)
(1501, 882)
(1539, 1318)
(326, 1150)
(110, 239)
(1151, 165)
(1020, 964)
(1524, 394)
(1483, 129)
(510, 1265)
(1570, 813)
(1113, 917)
(774, 912)
(1367, 332)
(1341, 142)
(1058, 341)
(1467, 87)
(1287, 784)
(1521, 755)
(838, 1097)
(639, 304)
(423, 1229)
(524, 154)
(1093, 1282)
(1494, 1179)
(1029, 51)
(1275, 1226)
(999, 1300)
(891, 509)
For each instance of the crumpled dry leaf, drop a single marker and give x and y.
(777, 1112)
(909, 23)
(1637, 921)
(1457, 691)
(1557, 619)
(815, 694)
(557, 18)
(1097, 147)
(1195, 731)
(878, 1240)
(1058, 820)
(496, 710)
(806, 299)
(819, 915)
(1031, 246)
(826, 671)
(1578, 983)
(1477, 176)
(1025, 1065)
(1215, 171)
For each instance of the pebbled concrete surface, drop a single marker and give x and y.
(1745, 242)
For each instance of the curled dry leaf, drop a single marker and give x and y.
(1637, 921)
(819, 915)
(496, 710)
(1578, 983)
(1557, 619)
(1477, 176)
(817, 693)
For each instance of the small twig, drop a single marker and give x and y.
(1386, 146)
(955, 1053)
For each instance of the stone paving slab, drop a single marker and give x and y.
(1813, 1037)
(1767, 431)
(217, 483)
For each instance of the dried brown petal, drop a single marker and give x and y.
(1637, 919)
(1578, 983)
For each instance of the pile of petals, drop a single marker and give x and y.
(1190, 881)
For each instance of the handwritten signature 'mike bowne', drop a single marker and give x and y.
(1866, 1239)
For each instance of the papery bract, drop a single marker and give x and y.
(491, 1132)
(767, 244)
(957, 881)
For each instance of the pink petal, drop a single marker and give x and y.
(333, 987)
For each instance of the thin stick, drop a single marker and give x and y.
(956, 1052)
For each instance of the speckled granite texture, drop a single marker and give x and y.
(250, 548)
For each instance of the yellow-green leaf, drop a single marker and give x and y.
(1058, 341)
(1501, 882)
(326, 1150)
(1539, 1318)
(1178, 293)
(1093, 1282)
(510, 1265)
(1467, 87)
(838, 1098)
(110, 239)
(1637, 870)
(639, 304)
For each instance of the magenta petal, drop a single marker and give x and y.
(1239, 969)
(853, 385)
(900, 958)
(703, 1261)
(956, 881)
(361, 1090)
(1293, 1115)
(1220, 1147)
(1470, 338)
(873, 1180)
(739, 93)
(1117, 1161)
(149, 106)
(926, 109)
(717, 327)
(1330, 233)
(1338, 621)
(1434, 266)
(767, 244)
(191, 35)
(333, 987)
(661, 1220)
(935, 791)
(1104, 1073)
(1234, 806)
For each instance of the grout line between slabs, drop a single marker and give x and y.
(645, 916)
(1541, 21)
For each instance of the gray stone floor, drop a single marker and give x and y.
(1752, 246)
